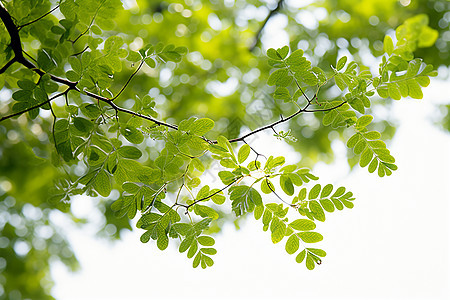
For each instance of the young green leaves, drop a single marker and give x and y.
(373, 151)
(297, 232)
(320, 200)
(293, 68)
(400, 74)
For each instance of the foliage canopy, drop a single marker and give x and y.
(137, 105)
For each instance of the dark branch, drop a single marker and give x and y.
(128, 81)
(7, 65)
(326, 109)
(81, 52)
(269, 184)
(271, 13)
(16, 44)
(41, 17)
(90, 25)
(117, 108)
(213, 194)
(33, 107)
(272, 125)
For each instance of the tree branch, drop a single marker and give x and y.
(128, 81)
(16, 46)
(33, 107)
(117, 108)
(213, 194)
(270, 126)
(7, 65)
(271, 14)
(41, 17)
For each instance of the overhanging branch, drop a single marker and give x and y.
(16, 46)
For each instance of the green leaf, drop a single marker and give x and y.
(130, 152)
(44, 61)
(388, 45)
(206, 240)
(326, 191)
(279, 77)
(310, 236)
(302, 225)
(314, 192)
(341, 63)
(186, 243)
(132, 135)
(90, 110)
(278, 229)
(209, 251)
(394, 91)
(163, 242)
(415, 90)
(283, 52)
(339, 192)
(244, 199)
(318, 252)
(272, 53)
(83, 125)
(373, 165)
(327, 205)
(243, 153)
(282, 93)
(286, 185)
(197, 260)
(267, 186)
(301, 256)
(353, 140)
(102, 184)
(130, 187)
(227, 177)
(372, 135)
(310, 264)
(134, 56)
(192, 250)
(317, 210)
(366, 157)
(292, 244)
(150, 62)
(364, 121)
(201, 126)
(206, 212)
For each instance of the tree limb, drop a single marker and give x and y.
(33, 107)
(41, 17)
(16, 46)
(7, 65)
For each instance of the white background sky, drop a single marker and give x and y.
(393, 245)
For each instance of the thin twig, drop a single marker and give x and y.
(7, 65)
(209, 196)
(128, 81)
(117, 108)
(90, 25)
(33, 107)
(41, 17)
